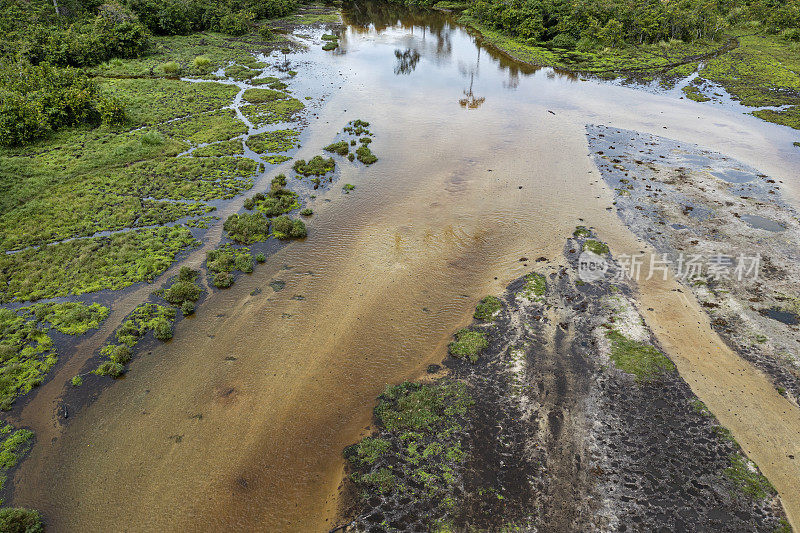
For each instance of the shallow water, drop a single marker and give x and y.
(239, 421)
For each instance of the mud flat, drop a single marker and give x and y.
(570, 418)
(727, 233)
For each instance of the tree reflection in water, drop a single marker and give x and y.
(406, 61)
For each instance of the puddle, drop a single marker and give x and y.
(758, 222)
(780, 315)
(734, 176)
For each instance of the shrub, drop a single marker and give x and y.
(487, 308)
(182, 291)
(317, 166)
(117, 353)
(468, 344)
(247, 228)
(162, 329)
(17, 520)
(261, 257)
(109, 368)
(265, 32)
(340, 148)
(278, 182)
(237, 23)
(112, 112)
(187, 308)
(171, 68)
(365, 155)
(284, 227)
(187, 274)
(35, 100)
(223, 280)
(307, 212)
(202, 63)
(77, 381)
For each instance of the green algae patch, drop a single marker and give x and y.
(14, 444)
(26, 355)
(317, 166)
(487, 308)
(596, 247)
(89, 265)
(70, 318)
(535, 285)
(638, 358)
(581, 232)
(273, 141)
(468, 344)
(416, 453)
(220, 125)
(247, 228)
(693, 92)
(747, 479)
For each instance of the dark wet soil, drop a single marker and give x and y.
(559, 439)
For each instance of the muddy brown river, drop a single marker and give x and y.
(238, 423)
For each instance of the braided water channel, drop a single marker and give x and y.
(239, 421)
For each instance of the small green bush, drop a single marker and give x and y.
(468, 344)
(171, 68)
(153, 138)
(77, 381)
(17, 520)
(237, 23)
(247, 228)
(340, 148)
(284, 227)
(223, 280)
(109, 368)
(265, 32)
(487, 308)
(162, 329)
(182, 291)
(317, 166)
(260, 258)
(202, 63)
(187, 308)
(307, 212)
(365, 155)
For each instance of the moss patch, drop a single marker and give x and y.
(640, 359)
(468, 344)
(487, 308)
(535, 286)
(596, 247)
(273, 141)
(747, 478)
(26, 355)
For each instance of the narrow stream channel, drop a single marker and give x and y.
(238, 423)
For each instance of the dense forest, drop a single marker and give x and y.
(588, 24)
(45, 47)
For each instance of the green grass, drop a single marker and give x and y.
(694, 93)
(26, 355)
(17, 520)
(596, 247)
(640, 359)
(417, 450)
(749, 481)
(487, 308)
(468, 344)
(273, 141)
(535, 285)
(272, 112)
(71, 318)
(89, 265)
(14, 444)
(581, 232)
